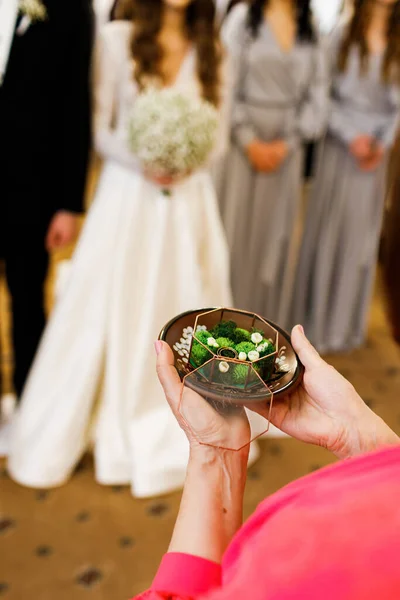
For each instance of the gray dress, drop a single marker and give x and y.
(339, 251)
(278, 95)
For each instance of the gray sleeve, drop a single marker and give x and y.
(390, 131)
(234, 36)
(313, 114)
(340, 125)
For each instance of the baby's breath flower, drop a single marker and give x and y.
(34, 9)
(171, 133)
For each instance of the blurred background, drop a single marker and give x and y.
(86, 540)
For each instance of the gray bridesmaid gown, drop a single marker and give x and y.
(278, 95)
(339, 251)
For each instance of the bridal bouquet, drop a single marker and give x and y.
(172, 134)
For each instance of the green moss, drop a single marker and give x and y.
(269, 348)
(225, 342)
(260, 331)
(224, 329)
(241, 335)
(240, 374)
(202, 336)
(199, 354)
(245, 347)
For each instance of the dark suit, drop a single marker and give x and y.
(44, 150)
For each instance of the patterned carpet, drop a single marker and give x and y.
(84, 541)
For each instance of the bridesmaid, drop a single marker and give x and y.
(337, 264)
(281, 100)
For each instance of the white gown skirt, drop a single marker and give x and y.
(143, 258)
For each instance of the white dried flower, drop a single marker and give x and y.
(256, 338)
(212, 342)
(254, 355)
(34, 9)
(223, 367)
(172, 133)
(243, 356)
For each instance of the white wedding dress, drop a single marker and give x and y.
(142, 258)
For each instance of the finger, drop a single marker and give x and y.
(51, 241)
(167, 374)
(305, 350)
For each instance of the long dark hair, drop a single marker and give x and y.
(202, 31)
(305, 27)
(356, 36)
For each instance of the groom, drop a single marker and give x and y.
(44, 150)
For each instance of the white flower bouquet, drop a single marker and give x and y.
(33, 9)
(172, 134)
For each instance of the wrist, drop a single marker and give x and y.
(368, 434)
(229, 464)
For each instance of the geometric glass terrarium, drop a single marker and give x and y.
(233, 362)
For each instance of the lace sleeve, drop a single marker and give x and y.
(110, 144)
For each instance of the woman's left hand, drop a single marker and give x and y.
(373, 160)
(202, 423)
(165, 180)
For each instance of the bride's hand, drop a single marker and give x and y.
(208, 427)
(165, 180)
(326, 409)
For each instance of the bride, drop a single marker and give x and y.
(143, 257)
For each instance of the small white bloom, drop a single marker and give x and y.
(223, 367)
(34, 9)
(254, 355)
(243, 356)
(211, 342)
(256, 338)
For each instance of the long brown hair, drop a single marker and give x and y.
(356, 36)
(202, 31)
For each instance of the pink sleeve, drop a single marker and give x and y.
(183, 577)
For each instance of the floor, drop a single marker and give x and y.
(84, 541)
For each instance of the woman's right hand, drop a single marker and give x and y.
(164, 180)
(361, 147)
(326, 410)
(266, 157)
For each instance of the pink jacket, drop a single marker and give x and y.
(334, 535)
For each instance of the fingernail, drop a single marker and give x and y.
(301, 328)
(158, 347)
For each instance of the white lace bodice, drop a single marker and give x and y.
(116, 91)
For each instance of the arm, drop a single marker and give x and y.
(225, 113)
(340, 125)
(313, 114)
(209, 516)
(212, 502)
(76, 33)
(109, 62)
(235, 40)
(392, 128)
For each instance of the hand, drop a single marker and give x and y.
(165, 180)
(326, 410)
(208, 427)
(267, 157)
(62, 231)
(361, 147)
(372, 162)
